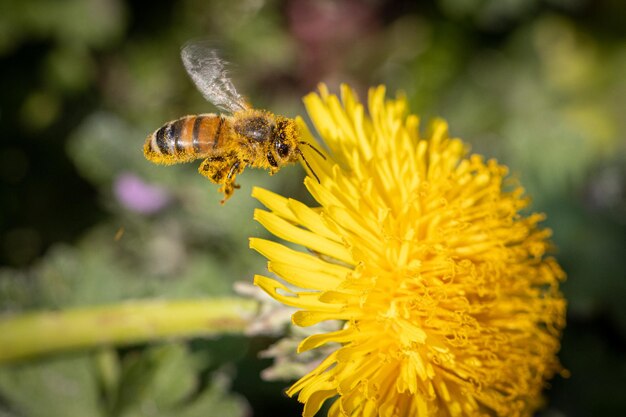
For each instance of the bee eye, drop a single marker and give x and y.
(282, 149)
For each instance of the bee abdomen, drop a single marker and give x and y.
(184, 139)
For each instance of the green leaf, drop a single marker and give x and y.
(57, 387)
(158, 379)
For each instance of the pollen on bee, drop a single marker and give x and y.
(154, 156)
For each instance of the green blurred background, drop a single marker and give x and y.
(85, 220)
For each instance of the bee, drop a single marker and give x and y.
(241, 136)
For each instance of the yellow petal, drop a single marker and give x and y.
(291, 233)
(275, 202)
(279, 253)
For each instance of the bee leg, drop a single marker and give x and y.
(272, 162)
(223, 170)
(229, 184)
(218, 170)
(232, 172)
(228, 189)
(214, 168)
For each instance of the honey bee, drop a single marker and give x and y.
(228, 142)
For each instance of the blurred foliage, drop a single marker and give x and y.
(159, 381)
(539, 84)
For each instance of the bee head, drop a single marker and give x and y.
(285, 142)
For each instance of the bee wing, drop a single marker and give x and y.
(209, 73)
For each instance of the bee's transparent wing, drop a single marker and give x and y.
(208, 71)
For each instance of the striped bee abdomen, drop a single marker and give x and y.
(187, 139)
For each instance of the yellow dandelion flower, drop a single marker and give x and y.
(450, 305)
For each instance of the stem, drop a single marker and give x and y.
(40, 333)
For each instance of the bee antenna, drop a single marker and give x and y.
(312, 147)
(307, 164)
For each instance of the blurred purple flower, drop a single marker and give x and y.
(137, 195)
(325, 32)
